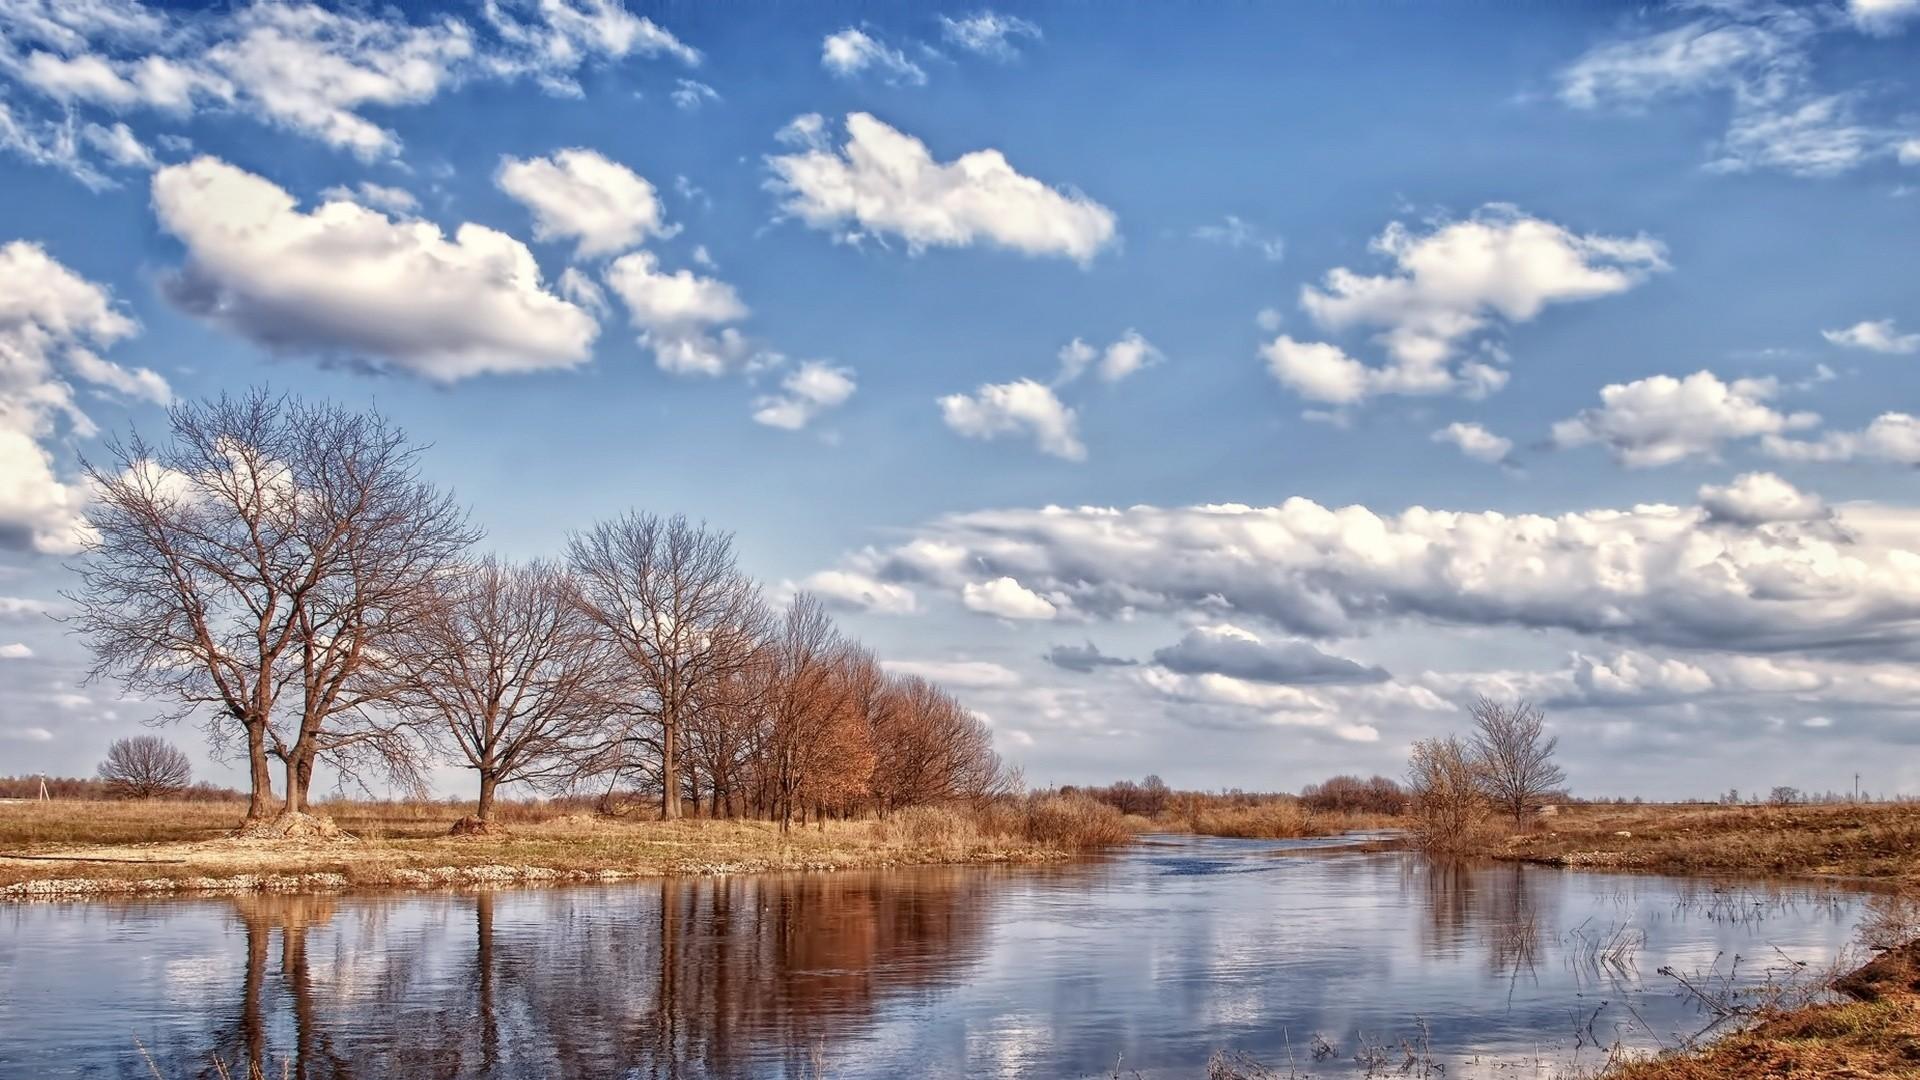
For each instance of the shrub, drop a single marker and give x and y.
(1447, 802)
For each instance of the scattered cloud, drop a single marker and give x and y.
(1084, 659)
(1892, 437)
(689, 94)
(580, 195)
(967, 674)
(1759, 498)
(988, 33)
(852, 591)
(1127, 354)
(1006, 598)
(397, 201)
(15, 651)
(805, 393)
(344, 281)
(883, 182)
(1877, 335)
(1229, 650)
(1662, 420)
(1022, 407)
(853, 51)
(681, 315)
(1234, 232)
(1883, 18)
(1475, 441)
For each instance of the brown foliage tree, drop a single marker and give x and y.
(144, 766)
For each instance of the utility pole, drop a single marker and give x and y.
(44, 797)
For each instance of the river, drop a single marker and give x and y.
(1146, 962)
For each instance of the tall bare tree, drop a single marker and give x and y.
(144, 766)
(505, 669)
(265, 547)
(1514, 756)
(669, 596)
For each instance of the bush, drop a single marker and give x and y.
(1352, 795)
(1281, 819)
(1447, 802)
(1074, 822)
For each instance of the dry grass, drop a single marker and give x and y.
(1875, 1034)
(1866, 841)
(120, 846)
(1282, 819)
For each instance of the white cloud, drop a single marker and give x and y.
(1475, 441)
(854, 591)
(15, 651)
(689, 94)
(580, 195)
(1236, 232)
(988, 33)
(1704, 54)
(564, 34)
(806, 392)
(1454, 282)
(1127, 354)
(1233, 651)
(18, 608)
(1892, 437)
(346, 281)
(1318, 371)
(1876, 335)
(397, 201)
(1007, 599)
(118, 145)
(1661, 420)
(1651, 574)
(968, 674)
(26, 734)
(1884, 18)
(51, 320)
(681, 315)
(853, 51)
(1812, 137)
(884, 182)
(1757, 498)
(1020, 407)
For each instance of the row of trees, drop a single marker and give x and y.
(281, 570)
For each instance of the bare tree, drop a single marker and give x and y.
(931, 749)
(144, 766)
(266, 547)
(1784, 795)
(1514, 756)
(1445, 793)
(504, 666)
(668, 596)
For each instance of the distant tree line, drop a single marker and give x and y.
(281, 571)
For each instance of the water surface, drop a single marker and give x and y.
(1150, 960)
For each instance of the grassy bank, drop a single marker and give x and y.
(1280, 819)
(92, 848)
(1876, 841)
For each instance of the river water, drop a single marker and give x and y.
(1148, 962)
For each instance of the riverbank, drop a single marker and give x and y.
(82, 849)
(1873, 1032)
(1878, 842)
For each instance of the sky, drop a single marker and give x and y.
(1231, 393)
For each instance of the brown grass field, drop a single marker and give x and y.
(86, 848)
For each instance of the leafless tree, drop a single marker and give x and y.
(144, 766)
(668, 596)
(1445, 793)
(266, 547)
(1514, 756)
(504, 668)
(1784, 795)
(931, 749)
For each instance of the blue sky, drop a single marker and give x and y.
(1582, 339)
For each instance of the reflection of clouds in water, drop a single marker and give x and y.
(1012, 1047)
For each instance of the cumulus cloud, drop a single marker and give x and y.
(853, 51)
(853, 591)
(51, 322)
(967, 674)
(1022, 407)
(883, 182)
(580, 195)
(1892, 437)
(681, 315)
(1757, 498)
(1448, 287)
(1006, 598)
(15, 651)
(1650, 574)
(806, 392)
(1475, 441)
(1878, 335)
(1085, 659)
(1225, 649)
(346, 281)
(1661, 420)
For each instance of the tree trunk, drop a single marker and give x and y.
(670, 767)
(488, 782)
(305, 774)
(296, 791)
(260, 795)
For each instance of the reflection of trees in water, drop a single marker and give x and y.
(1496, 907)
(691, 977)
